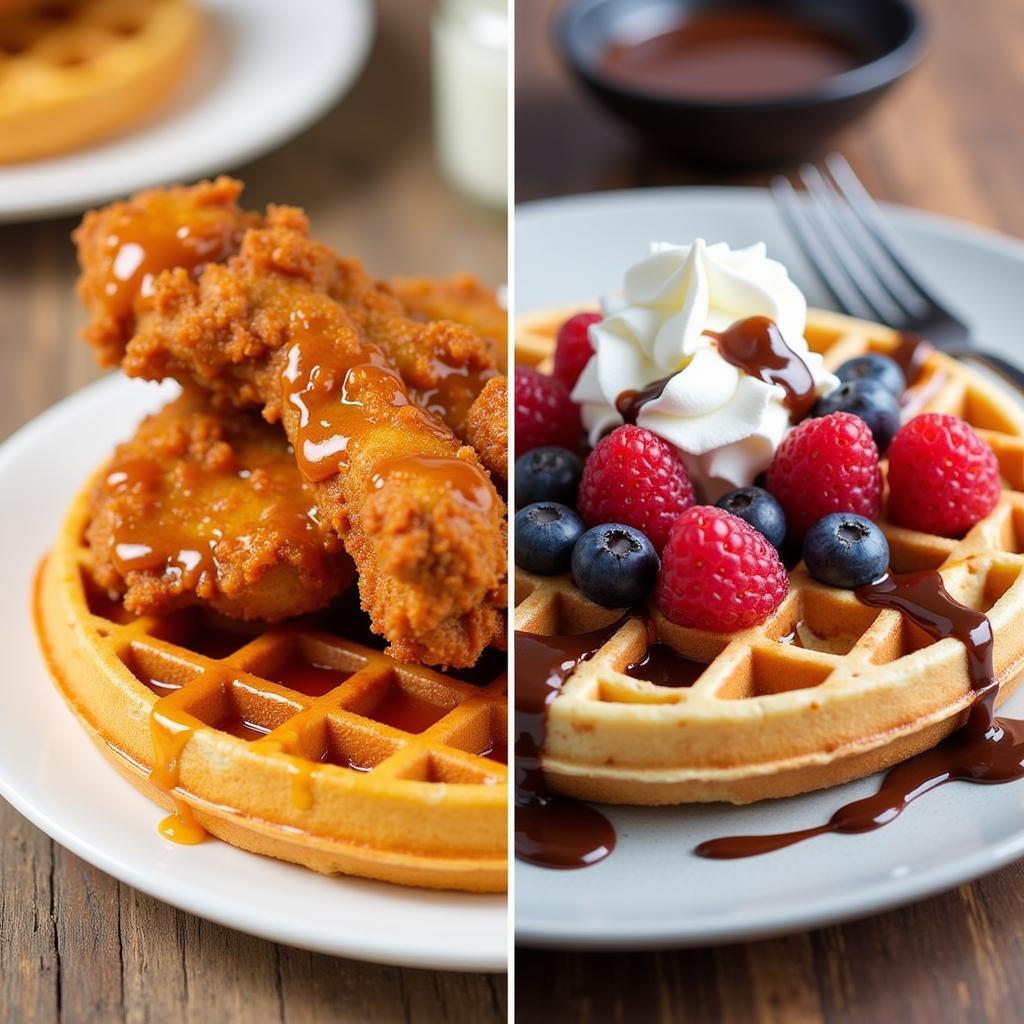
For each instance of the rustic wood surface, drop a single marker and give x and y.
(75, 945)
(948, 139)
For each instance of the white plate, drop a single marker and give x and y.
(652, 891)
(264, 72)
(51, 772)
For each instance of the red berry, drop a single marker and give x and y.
(637, 478)
(943, 478)
(718, 573)
(824, 465)
(545, 414)
(573, 349)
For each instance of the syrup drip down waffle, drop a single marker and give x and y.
(827, 689)
(75, 71)
(301, 741)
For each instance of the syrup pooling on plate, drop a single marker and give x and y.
(986, 749)
(552, 831)
(754, 345)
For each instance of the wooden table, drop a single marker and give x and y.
(948, 139)
(76, 945)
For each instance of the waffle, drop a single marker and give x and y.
(73, 72)
(298, 741)
(827, 689)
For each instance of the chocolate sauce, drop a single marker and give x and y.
(754, 345)
(986, 749)
(745, 54)
(664, 665)
(911, 353)
(552, 831)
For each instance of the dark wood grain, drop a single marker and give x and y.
(948, 139)
(75, 945)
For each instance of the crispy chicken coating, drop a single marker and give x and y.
(122, 247)
(417, 513)
(487, 426)
(209, 507)
(462, 299)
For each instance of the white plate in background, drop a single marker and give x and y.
(264, 71)
(652, 891)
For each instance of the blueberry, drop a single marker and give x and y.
(846, 550)
(545, 534)
(757, 507)
(548, 474)
(875, 405)
(615, 565)
(881, 369)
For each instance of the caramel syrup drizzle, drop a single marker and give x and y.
(342, 393)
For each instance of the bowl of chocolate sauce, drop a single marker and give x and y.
(738, 83)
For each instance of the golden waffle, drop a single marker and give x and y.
(297, 741)
(827, 689)
(74, 71)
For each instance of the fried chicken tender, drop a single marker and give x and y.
(204, 507)
(122, 247)
(460, 298)
(417, 512)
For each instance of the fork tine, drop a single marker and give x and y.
(870, 218)
(832, 275)
(824, 203)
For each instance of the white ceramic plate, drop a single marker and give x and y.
(652, 892)
(265, 70)
(50, 771)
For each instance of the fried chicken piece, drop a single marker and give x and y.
(487, 426)
(417, 512)
(462, 299)
(122, 248)
(208, 507)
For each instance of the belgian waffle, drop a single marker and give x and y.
(300, 741)
(72, 72)
(827, 689)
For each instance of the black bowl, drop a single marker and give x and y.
(757, 132)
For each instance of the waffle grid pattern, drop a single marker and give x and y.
(825, 690)
(362, 765)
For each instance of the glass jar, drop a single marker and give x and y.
(470, 40)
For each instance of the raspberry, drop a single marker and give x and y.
(943, 478)
(637, 478)
(823, 466)
(573, 349)
(545, 415)
(718, 573)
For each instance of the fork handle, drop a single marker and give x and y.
(1013, 375)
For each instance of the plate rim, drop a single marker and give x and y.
(888, 894)
(187, 896)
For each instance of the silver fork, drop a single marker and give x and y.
(846, 239)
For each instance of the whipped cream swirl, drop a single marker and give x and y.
(725, 422)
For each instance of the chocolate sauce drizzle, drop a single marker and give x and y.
(552, 830)
(663, 665)
(754, 345)
(986, 749)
